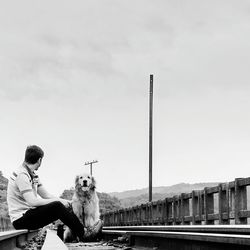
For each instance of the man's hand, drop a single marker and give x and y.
(66, 203)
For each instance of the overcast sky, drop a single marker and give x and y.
(74, 79)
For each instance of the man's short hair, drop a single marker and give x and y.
(32, 154)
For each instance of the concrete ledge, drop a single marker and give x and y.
(10, 234)
(52, 242)
(15, 239)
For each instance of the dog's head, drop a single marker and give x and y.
(85, 182)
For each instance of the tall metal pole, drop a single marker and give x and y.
(150, 136)
(91, 168)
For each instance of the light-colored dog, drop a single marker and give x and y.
(85, 203)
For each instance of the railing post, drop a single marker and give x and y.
(107, 219)
(122, 217)
(125, 217)
(143, 213)
(158, 212)
(138, 215)
(147, 214)
(154, 212)
(178, 210)
(209, 206)
(175, 209)
(240, 202)
(196, 207)
(113, 218)
(169, 211)
(138, 211)
(232, 201)
(165, 212)
(200, 203)
(161, 212)
(132, 216)
(224, 217)
(184, 209)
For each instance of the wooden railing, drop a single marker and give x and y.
(5, 224)
(222, 204)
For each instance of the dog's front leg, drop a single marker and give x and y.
(78, 211)
(89, 221)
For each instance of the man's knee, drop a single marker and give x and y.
(57, 205)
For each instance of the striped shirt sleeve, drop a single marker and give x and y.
(23, 183)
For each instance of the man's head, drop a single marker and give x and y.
(33, 155)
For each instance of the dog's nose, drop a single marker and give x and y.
(84, 182)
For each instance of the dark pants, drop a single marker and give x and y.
(41, 216)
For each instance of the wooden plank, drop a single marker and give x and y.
(209, 206)
(244, 182)
(212, 217)
(187, 195)
(223, 204)
(240, 202)
(212, 190)
(185, 211)
(244, 214)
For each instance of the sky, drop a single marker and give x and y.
(74, 79)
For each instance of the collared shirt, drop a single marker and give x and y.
(21, 181)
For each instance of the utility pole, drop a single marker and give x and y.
(150, 135)
(90, 163)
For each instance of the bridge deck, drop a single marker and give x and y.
(143, 237)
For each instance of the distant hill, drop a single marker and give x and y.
(139, 196)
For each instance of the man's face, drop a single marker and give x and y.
(38, 164)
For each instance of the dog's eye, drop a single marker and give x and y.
(88, 177)
(80, 177)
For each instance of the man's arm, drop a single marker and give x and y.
(25, 187)
(44, 193)
(33, 201)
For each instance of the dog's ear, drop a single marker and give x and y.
(93, 183)
(77, 181)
